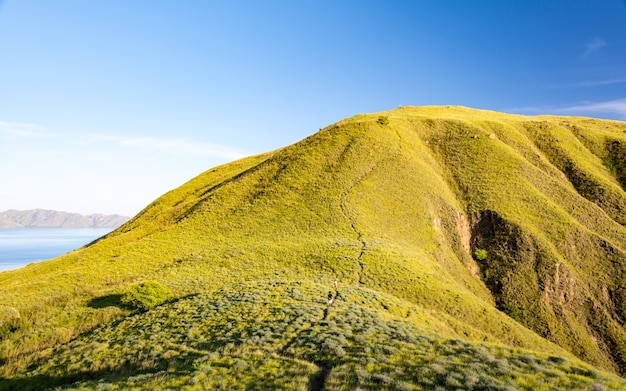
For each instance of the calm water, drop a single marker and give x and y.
(21, 246)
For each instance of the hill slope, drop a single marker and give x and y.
(391, 205)
(43, 218)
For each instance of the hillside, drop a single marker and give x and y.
(471, 249)
(42, 218)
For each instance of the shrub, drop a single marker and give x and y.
(511, 310)
(480, 254)
(382, 120)
(146, 295)
(382, 379)
(557, 360)
(9, 320)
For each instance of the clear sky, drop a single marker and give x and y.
(106, 105)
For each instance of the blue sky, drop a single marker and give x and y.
(106, 105)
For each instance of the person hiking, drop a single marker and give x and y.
(330, 298)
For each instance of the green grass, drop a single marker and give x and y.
(280, 335)
(392, 205)
(145, 295)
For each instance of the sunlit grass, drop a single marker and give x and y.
(279, 335)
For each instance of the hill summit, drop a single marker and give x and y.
(415, 248)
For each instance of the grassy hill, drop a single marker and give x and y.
(471, 249)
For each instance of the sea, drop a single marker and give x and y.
(22, 246)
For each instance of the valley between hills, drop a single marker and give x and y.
(420, 248)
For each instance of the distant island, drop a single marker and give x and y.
(41, 218)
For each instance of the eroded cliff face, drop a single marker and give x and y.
(535, 282)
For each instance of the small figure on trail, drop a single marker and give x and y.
(330, 298)
(335, 285)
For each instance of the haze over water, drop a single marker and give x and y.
(22, 246)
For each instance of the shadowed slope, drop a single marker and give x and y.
(555, 240)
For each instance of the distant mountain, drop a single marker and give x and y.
(41, 218)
